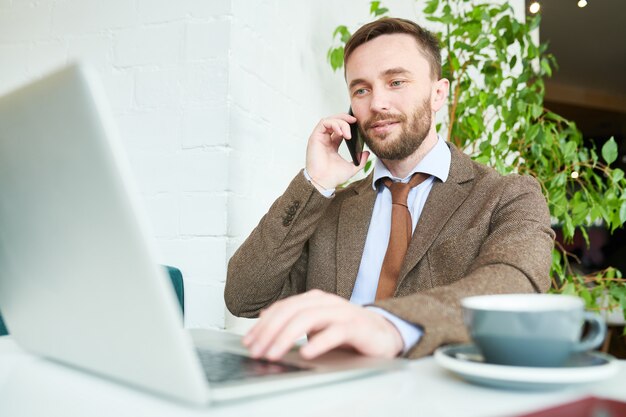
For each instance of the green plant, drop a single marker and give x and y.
(496, 114)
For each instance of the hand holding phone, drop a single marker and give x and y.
(355, 144)
(326, 167)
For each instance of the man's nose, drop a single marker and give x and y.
(380, 101)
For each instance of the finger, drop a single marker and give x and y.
(254, 338)
(312, 319)
(344, 116)
(260, 326)
(336, 141)
(363, 160)
(251, 334)
(254, 332)
(339, 129)
(345, 130)
(278, 315)
(334, 137)
(337, 126)
(324, 127)
(324, 341)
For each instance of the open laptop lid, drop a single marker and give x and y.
(78, 282)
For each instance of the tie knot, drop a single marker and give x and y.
(400, 190)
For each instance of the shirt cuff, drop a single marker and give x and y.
(410, 333)
(328, 192)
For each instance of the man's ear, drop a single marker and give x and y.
(439, 94)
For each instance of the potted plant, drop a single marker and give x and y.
(501, 120)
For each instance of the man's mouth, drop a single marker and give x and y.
(383, 123)
(383, 126)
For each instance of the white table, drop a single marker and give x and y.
(31, 386)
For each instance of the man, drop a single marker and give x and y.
(324, 261)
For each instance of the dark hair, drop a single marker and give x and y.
(426, 41)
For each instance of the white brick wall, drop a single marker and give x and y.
(214, 100)
(164, 65)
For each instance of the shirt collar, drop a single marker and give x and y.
(436, 163)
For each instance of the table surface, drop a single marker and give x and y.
(32, 386)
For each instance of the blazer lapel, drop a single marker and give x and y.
(442, 202)
(354, 220)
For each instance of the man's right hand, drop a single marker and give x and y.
(323, 162)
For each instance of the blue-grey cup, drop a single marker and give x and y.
(542, 330)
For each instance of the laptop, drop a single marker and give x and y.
(79, 282)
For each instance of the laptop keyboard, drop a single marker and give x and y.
(225, 366)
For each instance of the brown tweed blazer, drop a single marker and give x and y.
(479, 233)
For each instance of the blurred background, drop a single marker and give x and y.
(588, 39)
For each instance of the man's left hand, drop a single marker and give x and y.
(329, 320)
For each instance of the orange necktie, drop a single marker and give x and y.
(400, 236)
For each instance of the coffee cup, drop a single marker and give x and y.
(542, 330)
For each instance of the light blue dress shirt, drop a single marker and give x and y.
(437, 164)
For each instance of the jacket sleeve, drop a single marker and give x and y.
(514, 258)
(272, 263)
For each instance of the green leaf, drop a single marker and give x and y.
(462, 45)
(336, 58)
(617, 175)
(490, 68)
(431, 6)
(537, 111)
(609, 151)
(545, 66)
(376, 10)
(568, 288)
(473, 29)
(473, 122)
(615, 221)
(560, 179)
(482, 43)
(584, 293)
(344, 32)
(569, 150)
(556, 255)
(497, 125)
(583, 230)
(622, 213)
(568, 228)
(381, 11)
(534, 23)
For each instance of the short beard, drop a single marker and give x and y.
(409, 139)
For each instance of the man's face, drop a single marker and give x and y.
(391, 90)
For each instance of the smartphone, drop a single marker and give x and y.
(355, 145)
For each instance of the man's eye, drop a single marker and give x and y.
(397, 83)
(360, 91)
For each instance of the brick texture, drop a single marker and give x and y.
(164, 66)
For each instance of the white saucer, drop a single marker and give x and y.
(467, 362)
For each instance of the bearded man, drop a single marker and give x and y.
(381, 265)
